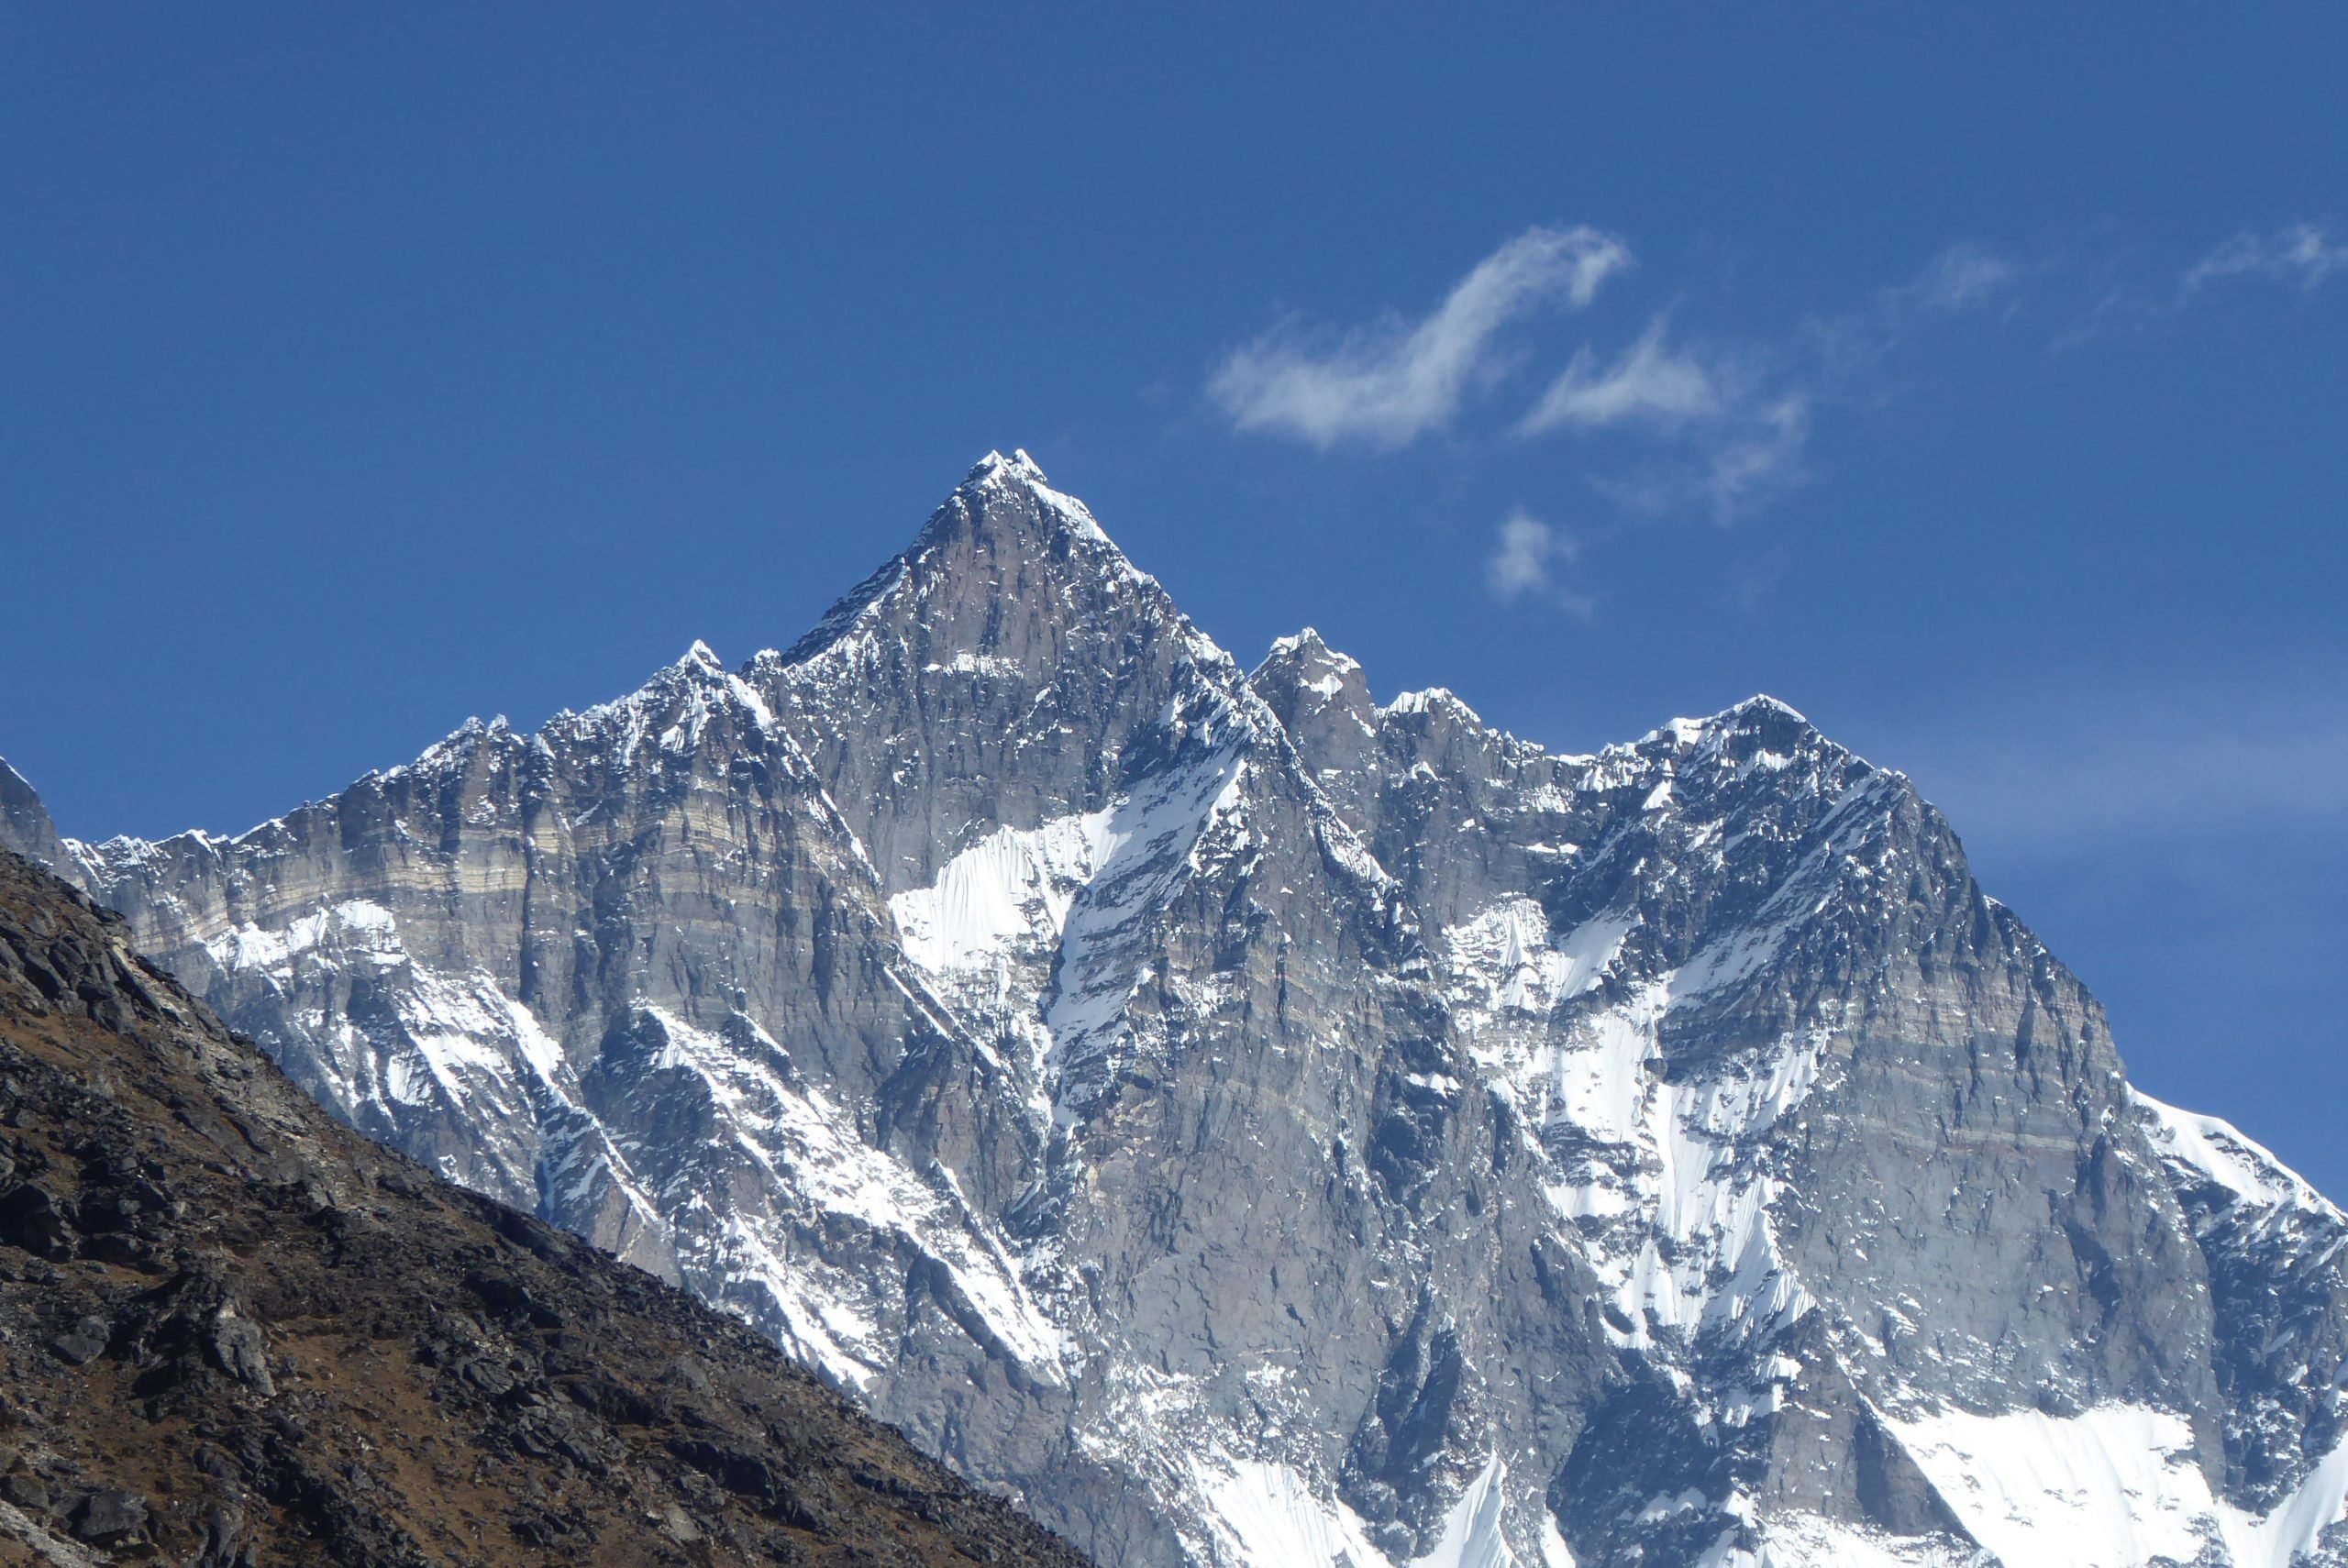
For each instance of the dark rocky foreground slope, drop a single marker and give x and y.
(233, 1332)
(1254, 1126)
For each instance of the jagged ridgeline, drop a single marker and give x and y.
(1248, 1125)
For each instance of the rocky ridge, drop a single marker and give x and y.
(1249, 1124)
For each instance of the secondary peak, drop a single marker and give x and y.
(1000, 490)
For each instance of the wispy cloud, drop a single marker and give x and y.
(1651, 384)
(1965, 276)
(1763, 453)
(1731, 433)
(1527, 560)
(1732, 427)
(1388, 384)
(1731, 467)
(1961, 277)
(2303, 253)
(1727, 427)
(2300, 253)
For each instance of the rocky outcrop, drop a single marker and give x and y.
(1249, 1124)
(237, 1334)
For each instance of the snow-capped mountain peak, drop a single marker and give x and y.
(1254, 1126)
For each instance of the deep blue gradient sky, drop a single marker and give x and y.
(369, 367)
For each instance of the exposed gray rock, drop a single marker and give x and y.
(239, 1347)
(81, 1344)
(110, 1517)
(1248, 1124)
(25, 824)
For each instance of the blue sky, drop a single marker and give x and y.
(1970, 378)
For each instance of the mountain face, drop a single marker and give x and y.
(236, 1333)
(1247, 1125)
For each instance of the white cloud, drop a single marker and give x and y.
(1525, 562)
(1960, 276)
(1731, 467)
(1651, 384)
(1964, 277)
(1732, 435)
(2303, 253)
(1764, 454)
(1389, 384)
(1710, 428)
(1749, 419)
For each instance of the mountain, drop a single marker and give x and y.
(237, 1332)
(1246, 1125)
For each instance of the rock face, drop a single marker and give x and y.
(25, 826)
(1250, 1125)
(235, 1333)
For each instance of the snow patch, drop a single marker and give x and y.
(1725, 961)
(2275, 1539)
(811, 1147)
(1149, 845)
(1503, 959)
(1428, 701)
(1012, 887)
(968, 663)
(2116, 1486)
(2218, 1151)
(1471, 1531)
(1266, 1515)
(456, 1041)
(1673, 1200)
(1792, 1539)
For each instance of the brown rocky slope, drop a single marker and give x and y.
(235, 1332)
